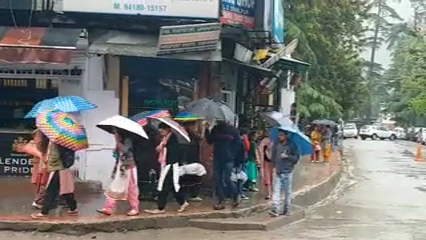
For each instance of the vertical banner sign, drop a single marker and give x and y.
(13, 163)
(238, 12)
(278, 23)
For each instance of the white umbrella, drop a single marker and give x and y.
(176, 127)
(275, 118)
(122, 123)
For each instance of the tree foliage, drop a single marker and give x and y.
(406, 77)
(330, 37)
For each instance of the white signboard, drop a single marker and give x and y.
(165, 8)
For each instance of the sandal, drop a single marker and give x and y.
(72, 213)
(132, 213)
(104, 211)
(39, 216)
(155, 211)
(183, 207)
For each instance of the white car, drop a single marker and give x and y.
(377, 132)
(350, 131)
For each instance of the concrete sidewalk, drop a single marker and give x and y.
(312, 183)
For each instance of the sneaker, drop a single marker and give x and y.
(155, 211)
(274, 213)
(219, 206)
(183, 207)
(236, 202)
(286, 213)
(132, 213)
(195, 199)
(39, 216)
(36, 205)
(244, 197)
(254, 190)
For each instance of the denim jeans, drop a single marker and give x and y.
(283, 183)
(222, 180)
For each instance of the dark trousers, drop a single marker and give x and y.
(167, 187)
(52, 193)
(191, 185)
(222, 180)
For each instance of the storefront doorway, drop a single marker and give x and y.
(155, 84)
(17, 97)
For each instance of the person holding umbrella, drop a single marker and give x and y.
(170, 155)
(285, 155)
(191, 154)
(326, 140)
(66, 136)
(225, 139)
(124, 184)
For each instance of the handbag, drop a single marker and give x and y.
(119, 186)
(317, 147)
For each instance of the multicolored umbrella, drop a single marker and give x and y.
(177, 129)
(187, 117)
(142, 118)
(62, 129)
(66, 104)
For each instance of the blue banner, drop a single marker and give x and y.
(278, 23)
(238, 12)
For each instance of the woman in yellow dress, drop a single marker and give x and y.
(316, 138)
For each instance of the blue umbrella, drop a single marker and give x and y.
(295, 135)
(66, 104)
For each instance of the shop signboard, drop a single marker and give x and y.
(13, 163)
(188, 38)
(202, 9)
(238, 12)
(278, 22)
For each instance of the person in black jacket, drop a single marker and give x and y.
(169, 157)
(191, 154)
(225, 139)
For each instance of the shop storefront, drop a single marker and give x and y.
(29, 74)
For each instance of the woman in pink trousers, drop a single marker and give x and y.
(124, 185)
(265, 152)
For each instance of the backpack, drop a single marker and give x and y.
(67, 156)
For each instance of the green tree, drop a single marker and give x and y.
(380, 18)
(329, 34)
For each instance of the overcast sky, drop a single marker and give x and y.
(404, 9)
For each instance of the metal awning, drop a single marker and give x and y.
(253, 69)
(37, 45)
(123, 43)
(292, 64)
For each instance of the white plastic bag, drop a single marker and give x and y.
(238, 176)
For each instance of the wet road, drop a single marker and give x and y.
(383, 199)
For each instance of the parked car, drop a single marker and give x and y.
(377, 132)
(350, 131)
